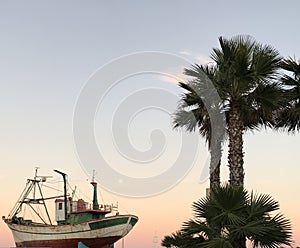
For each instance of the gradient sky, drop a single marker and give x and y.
(48, 51)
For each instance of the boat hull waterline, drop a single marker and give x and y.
(94, 234)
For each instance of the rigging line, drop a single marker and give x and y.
(81, 194)
(52, 188)
(54, 181)
(78, 180)
(99, 190)
(122, 205)
(73, 190)
(69, 185)
(85, 196)
(37, 213)
(18, 206)
(24, 210)
(45, 204)
(33, 217)
(40, 212)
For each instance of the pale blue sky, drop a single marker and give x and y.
(48, 50)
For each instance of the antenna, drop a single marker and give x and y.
(94, 174)
(95, 197)
(36, 170)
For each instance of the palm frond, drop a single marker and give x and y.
(261, 205)
(199, 228)
(180, 239)
(288, 117)
(272, 232)
(218, 242)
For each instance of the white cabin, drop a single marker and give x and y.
(77, 206)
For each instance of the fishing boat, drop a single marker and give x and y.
(77, 221)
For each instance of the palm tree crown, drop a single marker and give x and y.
(228, 217)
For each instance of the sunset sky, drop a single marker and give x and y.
(50, 51)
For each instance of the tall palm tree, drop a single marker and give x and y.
(288, 117)
(244, 75)
(228, 217)
(193, 114)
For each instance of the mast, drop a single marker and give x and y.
(95, 198)
(35, 176)
(64, 175)
(32, 186)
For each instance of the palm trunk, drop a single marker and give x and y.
(215, 176)
(215, 162)
(236, 155)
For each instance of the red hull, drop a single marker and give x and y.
(71, 243)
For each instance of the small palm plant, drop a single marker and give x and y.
(228, 217)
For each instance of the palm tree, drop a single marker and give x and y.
(228, 217)
(244, 74)
(193, 114)
(288, 117)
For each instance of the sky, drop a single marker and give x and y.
(59, 111)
